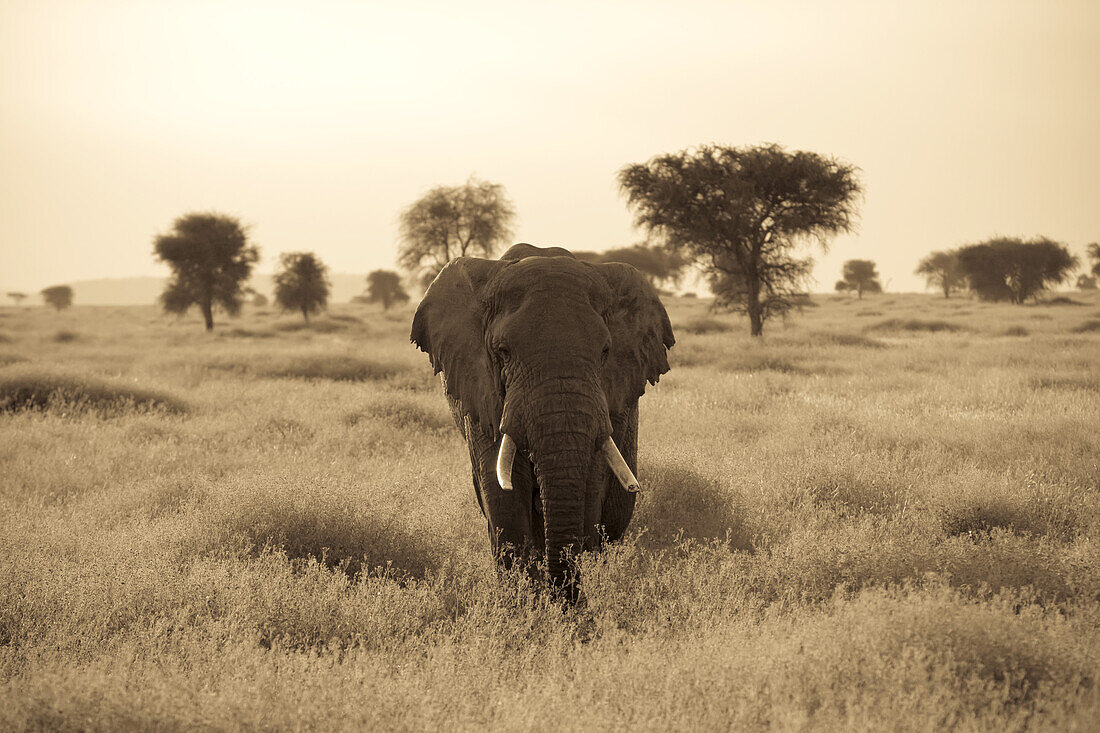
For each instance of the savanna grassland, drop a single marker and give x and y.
(883, 515)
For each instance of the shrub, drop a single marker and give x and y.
(263, 333)
(65, 337)
(1092, 325)
(915, 325)
(704, 325)
(846, 339)
(32, 390)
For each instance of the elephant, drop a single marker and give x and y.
(543, 358)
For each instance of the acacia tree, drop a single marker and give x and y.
(660, 265)
(861, 275)
(453, 221)
(17, 296)
(384, 286)
(1093, 252)
(211, 258)
(59, 296)
(1086, 282)
(941, 269)
(1009, 268)
(301, 284)
(740, 213)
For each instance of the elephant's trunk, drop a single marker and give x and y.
(567, 426)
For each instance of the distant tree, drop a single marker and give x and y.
(259, 300)
(1086, 282)
(59, 296)
(842, 286)
(740, 213)
(17, 296)
(384, 286)
(661, 266)
(1093, 252)
(941, 270)
(453, 221)
(861, 277)
(301, 284)
(211, 259)
(1008, 268)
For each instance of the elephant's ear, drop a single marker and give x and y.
(640, 336)
(449, 326)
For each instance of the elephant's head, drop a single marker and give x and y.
(545, 355)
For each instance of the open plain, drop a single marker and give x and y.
(885, 514)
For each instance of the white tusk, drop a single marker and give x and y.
(619, 467)
(504, 462)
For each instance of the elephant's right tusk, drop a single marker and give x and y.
(618, 466)
(504, 462)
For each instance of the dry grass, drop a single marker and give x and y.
(839, 531)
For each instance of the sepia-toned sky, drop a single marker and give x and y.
(317, 122)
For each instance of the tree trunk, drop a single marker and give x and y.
(859, 291)
(305, 314)
(946, 291)
(755, 309)
(208, 314)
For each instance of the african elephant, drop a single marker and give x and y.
(543, 359)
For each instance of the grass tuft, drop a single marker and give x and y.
(65, 337)
(1016, 331)
(404, 412)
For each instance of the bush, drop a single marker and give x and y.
(915, 325)
(32, 390)
(704, 325)
(65, 337)
(1090, 326)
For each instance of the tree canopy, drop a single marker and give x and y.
(1086, 282)
(473, 219)
(1009, 268)
(662, 266)
(740, 213)
(861, 276)
(301, 284)
(211, 258)
(59, 296)
(17, 296)
(941, 270)
(384, 286)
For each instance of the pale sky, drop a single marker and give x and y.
(317, 122)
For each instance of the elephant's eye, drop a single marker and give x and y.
(503, 352)
(606, 353)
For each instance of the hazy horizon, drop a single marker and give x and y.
(317, 124)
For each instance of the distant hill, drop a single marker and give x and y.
(146, 290)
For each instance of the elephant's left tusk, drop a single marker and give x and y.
(504, 462)
(618, 466)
